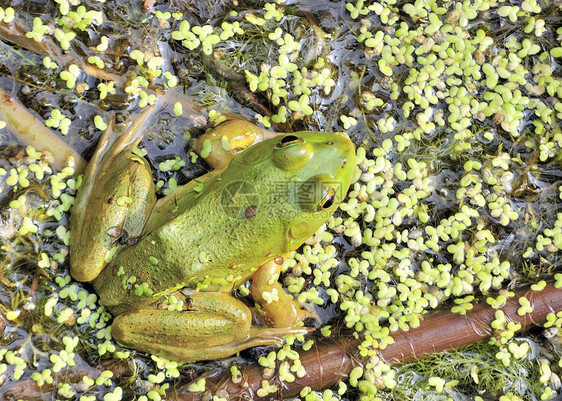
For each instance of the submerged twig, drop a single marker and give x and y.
(329, 363)
(15, 34)
(32, 132)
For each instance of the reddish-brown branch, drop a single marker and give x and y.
(327, 364)
(446, 330)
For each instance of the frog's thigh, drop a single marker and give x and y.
(118, 207)
(283, 312)
(218, 326)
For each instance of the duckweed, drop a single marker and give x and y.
(456, 120)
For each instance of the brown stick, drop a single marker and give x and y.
(329, 363)
(446, 330)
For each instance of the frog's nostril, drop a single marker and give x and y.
(344, 164)
(329, 143)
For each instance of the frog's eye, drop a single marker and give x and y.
(328, 200)
(291, 152)
(317, 194)
(289, 139)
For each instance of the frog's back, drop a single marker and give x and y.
(214, 244)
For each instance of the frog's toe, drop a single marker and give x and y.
(309, 316)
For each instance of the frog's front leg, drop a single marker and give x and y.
(277, 307)
(216, 325)
(219, 145)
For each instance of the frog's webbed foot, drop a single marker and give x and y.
(216, 325)
(220, 144)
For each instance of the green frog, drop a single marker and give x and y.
(166, 268)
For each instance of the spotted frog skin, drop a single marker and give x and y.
(166, 268)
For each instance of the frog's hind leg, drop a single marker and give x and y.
(216, 326)
(113, 203)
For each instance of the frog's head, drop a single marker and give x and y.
(309, 175)
(321, 166)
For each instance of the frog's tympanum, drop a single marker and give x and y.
(166, 268)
